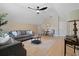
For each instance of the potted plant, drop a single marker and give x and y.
(2, 21)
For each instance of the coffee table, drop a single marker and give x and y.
(36, 40)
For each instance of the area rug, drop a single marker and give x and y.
(45, 44)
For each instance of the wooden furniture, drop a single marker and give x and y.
(73, 41)
(12, 49)
(70, 42)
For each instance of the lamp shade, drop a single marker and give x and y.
(74, 14)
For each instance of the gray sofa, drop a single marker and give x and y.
(21, 35)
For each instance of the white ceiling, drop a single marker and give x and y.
(19, 11)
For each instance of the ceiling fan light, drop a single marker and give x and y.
(37, 11)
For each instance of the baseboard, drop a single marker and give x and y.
(59, 35)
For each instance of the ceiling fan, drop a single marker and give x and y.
(38, 9)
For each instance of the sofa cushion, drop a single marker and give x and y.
(23, 32)
(18, 32)
(22, 36)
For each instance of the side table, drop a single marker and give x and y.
(70, 42)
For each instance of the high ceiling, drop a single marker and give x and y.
(19, 11)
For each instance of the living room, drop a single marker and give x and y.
(46, 23)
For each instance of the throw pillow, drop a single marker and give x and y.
(14, 33)
(29, 32)
(6, 35)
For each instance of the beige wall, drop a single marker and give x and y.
(12, 25)
(50, 23)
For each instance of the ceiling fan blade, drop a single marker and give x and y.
(32, 8)
(43, 8)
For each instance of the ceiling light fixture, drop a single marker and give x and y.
(38, 9)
